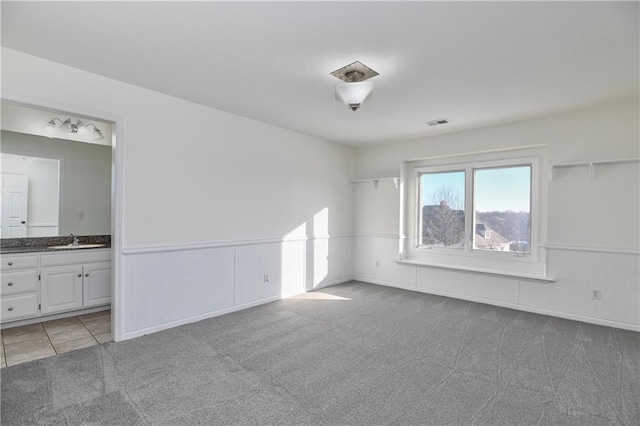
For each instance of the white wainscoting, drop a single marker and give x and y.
(164, 287)
(42, 230)
(374, 257)
(576, 270)
(329, 260)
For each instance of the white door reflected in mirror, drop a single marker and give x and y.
(15, 190)
(40, 200)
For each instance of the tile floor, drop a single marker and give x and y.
(45, 339)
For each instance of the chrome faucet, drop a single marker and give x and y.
(75, 240)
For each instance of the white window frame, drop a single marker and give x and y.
(533, 263)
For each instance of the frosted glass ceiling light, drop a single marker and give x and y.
(354, 94)
(354, 91)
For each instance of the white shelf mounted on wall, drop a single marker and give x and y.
(374, 181)
(591, 166)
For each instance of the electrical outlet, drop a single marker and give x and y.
(595, 294)
(266, 278)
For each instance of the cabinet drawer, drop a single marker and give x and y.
(19, 282)
(16, 307)
(9, 263)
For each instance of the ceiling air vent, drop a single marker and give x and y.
(438, 122)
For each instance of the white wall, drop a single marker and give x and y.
(593, 226)
(198, 177)
(196, 173)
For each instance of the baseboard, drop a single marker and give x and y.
(196, 318)
(532, 309)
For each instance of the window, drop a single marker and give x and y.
(442, 206)
(502, 209)
(476, 207)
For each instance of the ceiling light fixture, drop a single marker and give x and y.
(355, 90)
(67, 126)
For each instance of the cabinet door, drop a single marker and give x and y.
(61, 288)
(97, 284)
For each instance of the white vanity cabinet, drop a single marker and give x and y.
(73, 280)
(96, 284)
(53, 282)
(19, 290)
(61, 289)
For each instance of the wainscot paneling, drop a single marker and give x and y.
(164, 287)
(478, 286)
(168, 286)
(267, 271)
(42, 230)
(374, 257)
(577, 271)
(329, 260)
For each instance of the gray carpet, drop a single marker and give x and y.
(365, 355)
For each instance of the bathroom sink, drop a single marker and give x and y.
(79, 246)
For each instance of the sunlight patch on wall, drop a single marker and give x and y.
(320, 246)
(298, 232)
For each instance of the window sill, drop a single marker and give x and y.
(474, 270)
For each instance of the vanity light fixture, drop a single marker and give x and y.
(97, 134)
(67, 126)
(50, 128)
(355, 89)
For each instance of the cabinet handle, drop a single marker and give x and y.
(10, 263)
(79, 275)
(10, 308)
(86, 275)
(9, 284)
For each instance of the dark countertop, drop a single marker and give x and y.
(32, 249)
(43, 244)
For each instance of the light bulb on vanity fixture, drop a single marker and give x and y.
(50, 128)
(355, 90)
(97, 134)
(68, 126)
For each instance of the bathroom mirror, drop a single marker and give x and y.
(55, 180)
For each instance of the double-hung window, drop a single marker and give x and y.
(478, 214)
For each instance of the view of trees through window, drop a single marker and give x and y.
(442, 209)
(501, 205)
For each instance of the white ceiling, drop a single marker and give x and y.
(475, 63)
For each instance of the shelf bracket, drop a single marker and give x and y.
(592, 171)
(551, 173)
(374, 183)
(396, 182)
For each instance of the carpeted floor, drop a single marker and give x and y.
(349, 354)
